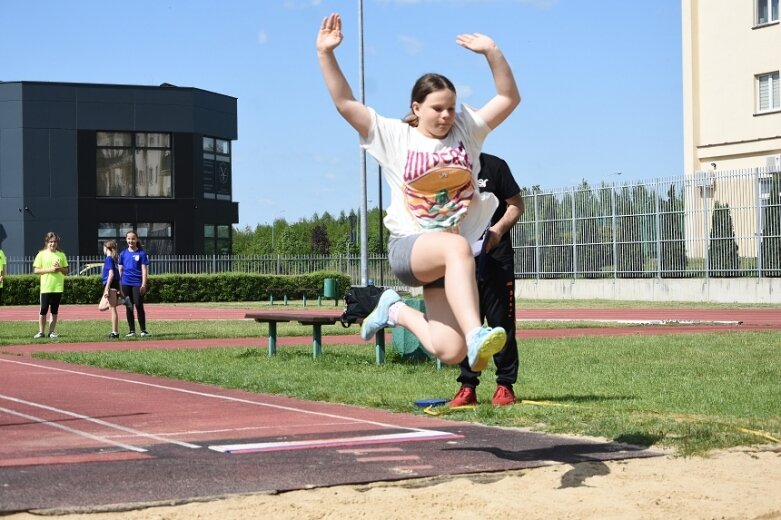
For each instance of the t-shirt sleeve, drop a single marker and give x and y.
(382, 143)
(474, 127)
(508, 187)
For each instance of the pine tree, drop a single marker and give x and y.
(525, 239)
(321, 245)
(673, 248)
(628, 238)
(771, 230)
(593, 252)
(723, 260)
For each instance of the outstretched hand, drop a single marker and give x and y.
(476, 42)
(330, 35)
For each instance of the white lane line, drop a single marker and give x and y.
(217, 396)
(330, 443)
(68, 429)
(133, 432)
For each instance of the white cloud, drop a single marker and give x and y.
(301, 4)
(411, 45)
(262, 37)
(326, 159)
(464, 92)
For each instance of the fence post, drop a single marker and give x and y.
(758, 218)
(658, 234)
(574, 238)
(705, 234)
(537, 237)
(613, 231)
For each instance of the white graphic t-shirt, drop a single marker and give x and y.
(433, 181)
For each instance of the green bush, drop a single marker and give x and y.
(182, 288)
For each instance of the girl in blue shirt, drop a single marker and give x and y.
(133, 268)
(111, 290)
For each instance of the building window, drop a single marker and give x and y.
(768, 92)
(216, 239)
(134, 164)
(766, 11)
(156, 237)
(216, 168)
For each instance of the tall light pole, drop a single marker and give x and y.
(363, 209)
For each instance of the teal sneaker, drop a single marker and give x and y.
(378, 318)
(484, 345)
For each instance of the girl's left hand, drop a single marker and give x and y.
(330, 35)
(476, 42)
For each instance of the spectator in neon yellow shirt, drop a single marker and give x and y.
(52, 265)
(3, 261)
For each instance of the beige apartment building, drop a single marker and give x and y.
(732, 113)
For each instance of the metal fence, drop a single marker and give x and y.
(715, 224)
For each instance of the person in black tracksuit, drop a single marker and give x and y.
(496, 283)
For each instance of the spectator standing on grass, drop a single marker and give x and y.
(52, 265)
(496, 283)
(111, 288)
(133, 273)
(429, 159)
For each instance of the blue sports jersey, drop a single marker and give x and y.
(108, 266)
(131, 262)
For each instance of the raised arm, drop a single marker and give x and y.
(328, 39)
(507, 96)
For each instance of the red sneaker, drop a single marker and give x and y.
(465, 396)
(503, 396)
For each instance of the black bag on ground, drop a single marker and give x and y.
(359, 302)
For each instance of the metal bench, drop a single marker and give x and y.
(316, 320)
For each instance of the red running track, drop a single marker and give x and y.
(92, 439)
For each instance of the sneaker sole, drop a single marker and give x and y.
(492, 344)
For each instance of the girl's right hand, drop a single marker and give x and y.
(330, 35)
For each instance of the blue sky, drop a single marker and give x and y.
(600, 80)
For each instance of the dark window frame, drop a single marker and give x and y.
(129, 151)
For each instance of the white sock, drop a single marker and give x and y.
(393, 313)
(471, 334)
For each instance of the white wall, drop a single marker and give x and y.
(715, 290)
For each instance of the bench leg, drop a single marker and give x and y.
(379, 346)
(317, 334)
(272, 338)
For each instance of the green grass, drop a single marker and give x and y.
(691, 393)
(90, 331)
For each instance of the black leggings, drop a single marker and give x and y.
(137, 299)
(50, 300)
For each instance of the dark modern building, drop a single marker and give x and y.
(91, 162)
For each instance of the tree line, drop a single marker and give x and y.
(318, 235)
(626, 231)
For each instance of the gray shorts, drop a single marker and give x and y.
(400, 260)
